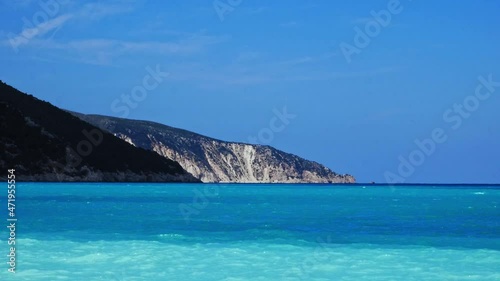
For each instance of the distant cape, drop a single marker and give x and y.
(213, 160)
(45, 143)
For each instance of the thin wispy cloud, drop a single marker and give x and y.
(365, 73)
(251, 67)
(93, 11)
(23, 38)
(105, 51)
(366, 20)
(255, 10)
(47, 29)
(361, 20)
(289, 24)
(296, 61)
(261, 72)
(221, 78)
(18, 3)
(306, 59)
(247, 56)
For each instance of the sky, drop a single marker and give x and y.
(388, 91)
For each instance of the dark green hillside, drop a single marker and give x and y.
(43, 142)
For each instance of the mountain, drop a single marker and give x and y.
(44, 143)
(213, 160)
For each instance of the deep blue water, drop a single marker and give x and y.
(256, 232)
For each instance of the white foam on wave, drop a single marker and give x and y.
(152, 260)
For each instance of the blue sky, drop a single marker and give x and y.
(232, 64)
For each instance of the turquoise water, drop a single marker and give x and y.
(254, 232)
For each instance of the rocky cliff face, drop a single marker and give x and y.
(213, 160)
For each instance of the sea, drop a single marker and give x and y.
(126, 232)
